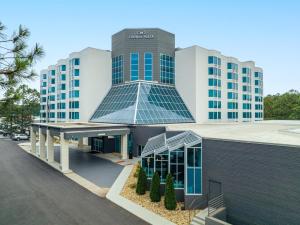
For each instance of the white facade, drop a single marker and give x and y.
(215, 91)
(72, 89)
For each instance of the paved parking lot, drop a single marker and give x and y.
(33, 193)
(100, 171)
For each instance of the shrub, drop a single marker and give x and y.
(141, 185)
(155, 188)
(137, 170)
(170, 198)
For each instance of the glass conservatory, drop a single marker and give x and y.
(142, 102)
(180, 155)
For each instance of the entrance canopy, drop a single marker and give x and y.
(67, 131)
(80, 130)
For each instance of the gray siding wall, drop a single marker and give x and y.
(261, 183)
(162, 42)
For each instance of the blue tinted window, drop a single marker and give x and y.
(76, 93)
(53, 72)
(232, 115)
(76, 83)
(63, 77)
(148, 65)
(214, 60)
(214, 82)
(194, 171)
(134, 66)
(76, 61)
(214, 104)
(76, 72)
(214, 93)
(117, 70)
(247, 115)
(74, 104)
(167, 69)
(63, 68)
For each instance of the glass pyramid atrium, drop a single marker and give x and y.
(142, 103)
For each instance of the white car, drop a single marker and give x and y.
(18, 137)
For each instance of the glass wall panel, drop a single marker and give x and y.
(177, 167)
(190, 181)
(190, 157)
(148, 165)
(198, 178)
(194, 170)
(161, 165)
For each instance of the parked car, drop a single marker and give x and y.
(5, 133)
(18, 137)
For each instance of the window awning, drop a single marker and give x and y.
(161, 143)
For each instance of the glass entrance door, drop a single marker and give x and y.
(98, 144)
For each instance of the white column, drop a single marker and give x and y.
(42, 143)
(33, 140)
(80, 143)
(50, 147)
(85, 141)
(64, 153)
(124, 146)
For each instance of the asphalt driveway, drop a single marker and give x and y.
(33, 193)
(99, 171)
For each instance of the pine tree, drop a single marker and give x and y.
(16, 59)
(141, 182)
(170, 198)
(155, 188)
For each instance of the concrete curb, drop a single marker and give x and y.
(139, 211)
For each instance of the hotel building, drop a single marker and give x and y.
(68, 88)
(192, 84)
(190, 112)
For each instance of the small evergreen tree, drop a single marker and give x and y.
(170, 198)
(141, 185)
(155, 188)
(137, 171)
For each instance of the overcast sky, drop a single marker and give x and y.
(267, 32)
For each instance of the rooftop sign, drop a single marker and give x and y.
(141, 35)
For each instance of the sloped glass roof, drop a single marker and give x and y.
(160, 143)
(142, 103)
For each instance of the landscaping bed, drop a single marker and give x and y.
(177, 216)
